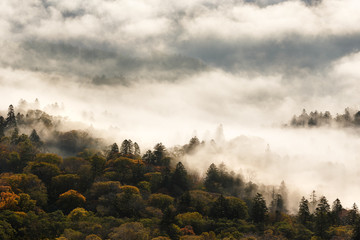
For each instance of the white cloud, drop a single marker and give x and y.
(156, 71)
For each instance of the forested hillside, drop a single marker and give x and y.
(69, 185)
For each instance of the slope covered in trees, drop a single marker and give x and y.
(88, 192)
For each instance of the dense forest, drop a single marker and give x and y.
(69, 185)
(350, 118)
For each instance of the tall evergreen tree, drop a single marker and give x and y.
(149, 157)
(127, 148)
(353, 215)
(159, 154)
(114, 151)
(15, 136)
(304, 212)
(179, 180)
(193, 144)
(212, 179)
(11, 119)
(336, 212)
(322, 217)
(34, 137)
(259, 210)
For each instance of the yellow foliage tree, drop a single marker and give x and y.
(9, 200)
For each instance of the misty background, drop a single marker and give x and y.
(156, 71)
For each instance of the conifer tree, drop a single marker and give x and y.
(259, 210)
(336, 211)
(322, 217)
(113, 151)
(11, 119)
(127, 148)
(179, 180)
(304, 212)
(212, 179)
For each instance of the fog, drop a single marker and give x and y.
(164, 72)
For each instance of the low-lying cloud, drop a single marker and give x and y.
(157, 71)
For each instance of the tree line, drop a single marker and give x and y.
(120, 193)
(350, 118)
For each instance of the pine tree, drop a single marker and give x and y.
(34, 137)
(114, 151)
(259, 210)
(149, 157)
(304, 212)
(336, 211)
(127, 148)
(353, 215)
(322, 217)
(14, 136)
(179, 180)
(212, 179)
(11, 119)
(159, 154)
(193, 144)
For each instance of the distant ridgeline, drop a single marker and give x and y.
(350, 118)
(44, 130)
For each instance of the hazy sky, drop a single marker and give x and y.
(165, 70)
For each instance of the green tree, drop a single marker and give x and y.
(49, 158)
(237, 208)
(149, 157)
(353, 215)
(220, 208)
(160, 156)
(336, 212)
(322, 217)
(304, 212)
(64, 182)
(161, 201)
(45, 171)
(212, 177)
(184, 203)
(259, 210)
(179, 180)
(114, 152)
(192, 145)
(34, 137)
(129, 202)
(11, 119)
(7, 232)
(14, 139)
(70, 200)
(127, 148)
(97, 165)
(26, 183)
